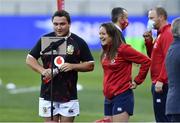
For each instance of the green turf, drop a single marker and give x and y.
(24, 107)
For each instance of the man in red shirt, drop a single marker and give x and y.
(157, 51)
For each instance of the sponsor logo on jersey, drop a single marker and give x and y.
(44, 110)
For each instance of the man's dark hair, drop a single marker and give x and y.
(117, 12)
(161, 12)
(62, 13)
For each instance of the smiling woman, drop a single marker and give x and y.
(117, 59)
(105, 39)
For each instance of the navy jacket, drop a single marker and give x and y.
(173, 71)
(122, 36)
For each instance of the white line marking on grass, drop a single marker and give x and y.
(24, 90)
(79, 87)
(34, 89)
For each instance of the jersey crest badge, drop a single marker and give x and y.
(113, 61)
(70, 49)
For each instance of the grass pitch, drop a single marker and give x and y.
(23, 107)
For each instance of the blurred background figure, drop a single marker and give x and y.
(119, 16)
(157, 51)
(173, 70)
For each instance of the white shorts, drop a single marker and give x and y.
(67, 109)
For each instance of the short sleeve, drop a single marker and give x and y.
(35, 52)
(85, 53)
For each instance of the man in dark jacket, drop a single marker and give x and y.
(173, 70)
(119, 16)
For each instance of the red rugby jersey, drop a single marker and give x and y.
(118, 72)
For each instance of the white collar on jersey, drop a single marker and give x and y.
(118, 27)
(66, 37)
